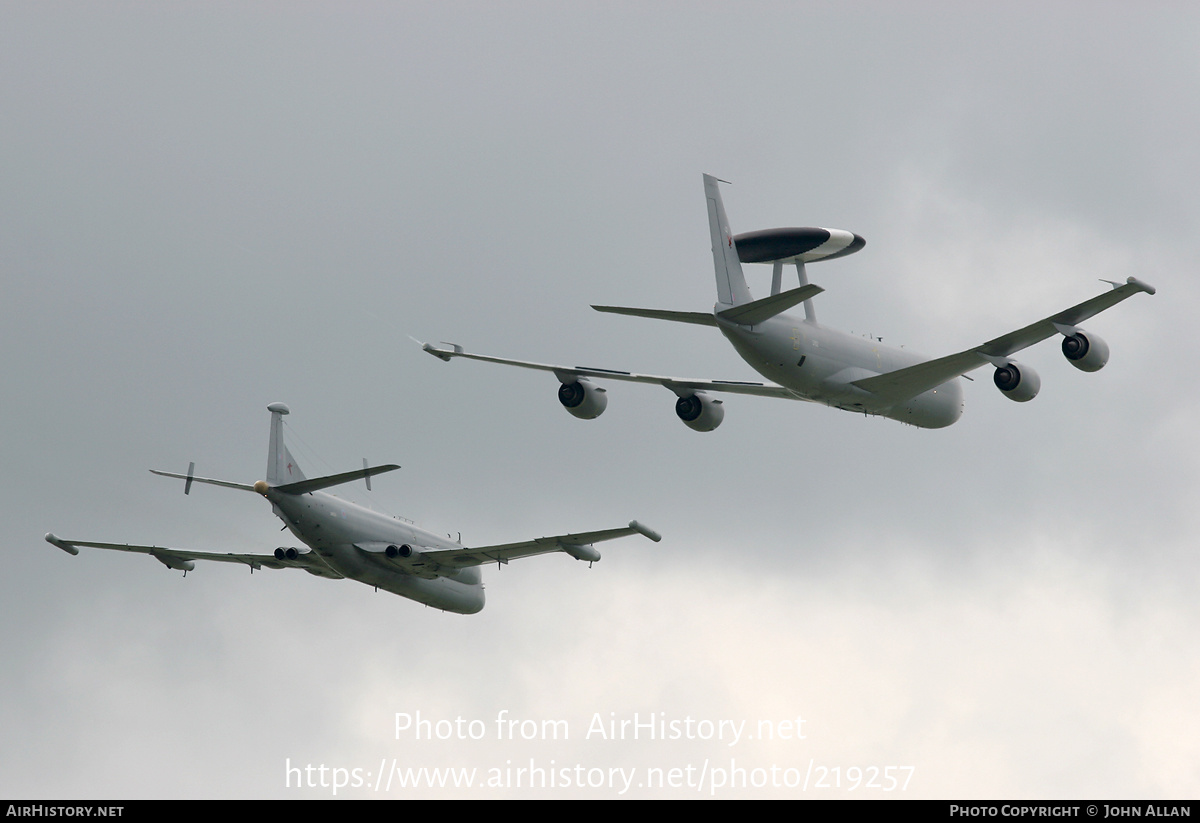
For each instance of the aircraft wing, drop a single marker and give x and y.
(682, 386)
(576, 545)
(181, 559)
(907, 383)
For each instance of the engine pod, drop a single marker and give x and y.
(1017, 382)
(1085, 351)
(582, 399)
(700, 412)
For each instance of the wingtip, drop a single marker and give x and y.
(54, 540)
(645, 531)
(442, 354)
(1131, 281)
(1146, 287)
(434, 350)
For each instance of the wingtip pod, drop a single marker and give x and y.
(54, 540)
(442, 354)
(1138, 285)
(645, 531)
(1146, 287)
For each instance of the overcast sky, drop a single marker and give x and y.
(208, 207)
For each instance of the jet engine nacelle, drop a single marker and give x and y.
(700, 412)
(1086, 351)
(288, 553)
(403, 551)
(1019, 383)
(582, 399)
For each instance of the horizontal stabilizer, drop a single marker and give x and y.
(317, 483)
(190, 479)
(696, 317)
(756, 311)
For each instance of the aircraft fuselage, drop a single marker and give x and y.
(337, 531)
(819, 363)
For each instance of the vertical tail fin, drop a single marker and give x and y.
(281, 466)
(731, 283)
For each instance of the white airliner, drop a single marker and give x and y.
(808, 361)
(342, 540)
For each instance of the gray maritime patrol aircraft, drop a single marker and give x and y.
(343, 540)
(808, 361)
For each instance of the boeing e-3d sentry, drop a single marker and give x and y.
(808, 361)
(343, 540)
